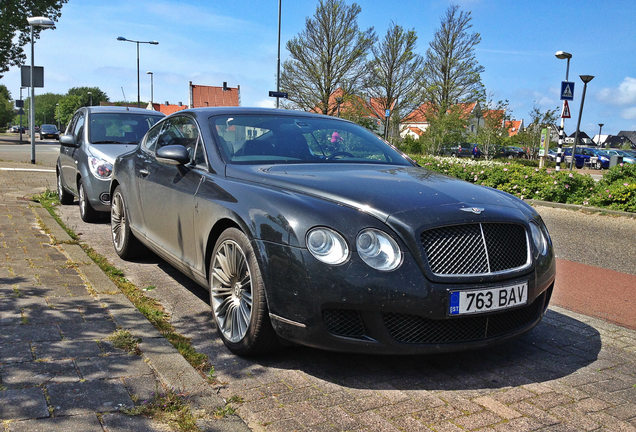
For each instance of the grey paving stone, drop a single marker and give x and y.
(66, 349)
(97, 329)
(15, 352)
(113, 366)
(22, 404)
(35, 373)
(80, 423)
(124, 423)
(88, 396)
(143, 388)
(30, 333)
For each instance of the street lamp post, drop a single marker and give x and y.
(562, 55)
(600, 128)
(278, 59)
(152, 96)
(43, 22)
(57, 115)
(121, 38)
(586, 79)
(90, 99)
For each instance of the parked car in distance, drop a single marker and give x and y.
(16, 129)
(49, 131)
(93, 139)
(602, 157)
(462, 150)
(343, 245)
(512, 152)
(627, 156)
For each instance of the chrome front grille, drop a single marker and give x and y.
(476, 249)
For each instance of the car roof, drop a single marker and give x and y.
(116, 109)
(211, 111)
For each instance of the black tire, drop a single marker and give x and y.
(64, 196)
(233, 289)
(125, 243)
(87, 212)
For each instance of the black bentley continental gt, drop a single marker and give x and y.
(313, 230)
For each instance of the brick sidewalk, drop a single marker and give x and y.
(572, 373)
(58, 369)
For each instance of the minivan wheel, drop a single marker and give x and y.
(125, 243)
(237, 296)
(87, 212)
(65, 197)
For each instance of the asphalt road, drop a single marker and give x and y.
(11, 149)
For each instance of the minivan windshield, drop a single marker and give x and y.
(120, 128)
(258, 139)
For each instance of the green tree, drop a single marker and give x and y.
(494, 132)
(67, 107)
(451, 71)
(14, 28)
(394, 73)
(96, 95)
(7, 113)
(445, 129)
(329, 53)
(538, 120)
(45, 106)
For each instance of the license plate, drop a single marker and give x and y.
(488, 299)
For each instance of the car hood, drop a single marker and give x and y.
(109, 152)
(382, 191)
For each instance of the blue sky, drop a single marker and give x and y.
(235, 41)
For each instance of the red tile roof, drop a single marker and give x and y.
(168, 109)
(204, 96)
(420, 114)
(514, 126)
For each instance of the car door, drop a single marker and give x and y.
(167, 192)
(68, 154)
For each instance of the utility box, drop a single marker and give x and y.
(615, 160)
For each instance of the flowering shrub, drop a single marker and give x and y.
(617, 190)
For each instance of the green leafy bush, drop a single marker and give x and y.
(617, 190)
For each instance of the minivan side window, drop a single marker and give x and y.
(78, 129)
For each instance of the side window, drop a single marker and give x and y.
(182, 130)
(78, 129)
(151, 138)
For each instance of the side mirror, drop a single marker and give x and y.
(173, 155)
(68, 140)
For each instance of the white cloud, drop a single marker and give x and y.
(266, 103)
(629, 113)
(625, 94)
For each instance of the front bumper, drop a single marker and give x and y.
(356, 309)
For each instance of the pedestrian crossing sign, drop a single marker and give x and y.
(566, 110)
(567, 90)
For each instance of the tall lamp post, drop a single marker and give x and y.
(586, 79)
(121, 38)
(278, 58)
(90, 99)
(57, 115)
(600, 128)
(152, 90)
(43, 22)
(562, 55)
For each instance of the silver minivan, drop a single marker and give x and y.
(93, 139)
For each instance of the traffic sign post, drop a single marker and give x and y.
(567, 90)
(566, 110)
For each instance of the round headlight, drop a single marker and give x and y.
(327, 245)
(378, 250)
(539, 240)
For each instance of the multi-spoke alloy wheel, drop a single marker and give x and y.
(237, 296)
(231, 291)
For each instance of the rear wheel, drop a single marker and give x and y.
(126, 244)
(65, 197)
(237, 296)
(87, 212)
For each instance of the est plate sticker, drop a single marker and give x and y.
(488, 299)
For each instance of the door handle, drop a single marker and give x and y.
(144, 172)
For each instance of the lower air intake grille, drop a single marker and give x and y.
(413, 329)
(342, 322)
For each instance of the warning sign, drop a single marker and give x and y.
(566, 110)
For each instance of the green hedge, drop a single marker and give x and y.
(617, 189)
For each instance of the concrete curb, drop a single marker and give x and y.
(582, 208)
(170, 366)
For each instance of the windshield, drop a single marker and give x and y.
(257, 139)
(120, 128)
(48, 127)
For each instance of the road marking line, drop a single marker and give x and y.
(28, 170)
